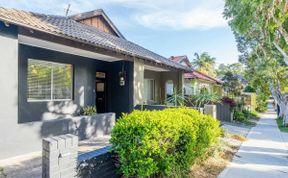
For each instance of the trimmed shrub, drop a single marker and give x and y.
(88, 111)
(162, 143)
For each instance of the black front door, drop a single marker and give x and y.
(101, 99)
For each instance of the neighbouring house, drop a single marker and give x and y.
(196, 81)
(52, 66)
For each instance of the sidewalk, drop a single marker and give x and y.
(263, 155)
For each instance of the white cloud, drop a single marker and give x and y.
(198, 18)
(157, 14)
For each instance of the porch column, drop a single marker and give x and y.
(138, 82)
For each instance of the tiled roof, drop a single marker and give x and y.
(98, 12)
(180, 59)
(198, 75)
(69, 28)
(194, 74)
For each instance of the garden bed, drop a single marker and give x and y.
(222, 154)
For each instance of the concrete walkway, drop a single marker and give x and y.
(263, 155)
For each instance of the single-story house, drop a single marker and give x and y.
(196, 81)
(52, 66)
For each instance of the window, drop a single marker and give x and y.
(188, 89)
(169, 88)
(148, 90)
(47, 81)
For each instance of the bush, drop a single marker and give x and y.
(249, 89)
(262, 103)
(244, 117)
(88, 111)
(250, 114)
(162, 143)
(230, 101)
(239, 116)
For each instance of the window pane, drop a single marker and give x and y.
(148, 90)
(39, 80)
(62, 81)
(188, 89)
(169, 87)
(49, 81)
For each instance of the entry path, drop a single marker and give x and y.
(263, 155)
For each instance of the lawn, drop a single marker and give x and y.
(280, 126)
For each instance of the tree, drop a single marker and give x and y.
(236, 68)
(231, 84)
(204, 63)
(260, 28)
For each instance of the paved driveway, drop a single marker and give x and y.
(263, 155)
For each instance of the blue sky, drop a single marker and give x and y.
(168, 27)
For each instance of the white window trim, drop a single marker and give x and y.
(51, 100)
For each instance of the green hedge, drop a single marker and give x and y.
(162, 143)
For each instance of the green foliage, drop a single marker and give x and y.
(177, 98)
(249, 89)
(88, 111)
(231, 84)
(199, 100)
(162, 143)
(236, 68)
(281, 127)
(204, 63)
(262, 102)
(245, 117)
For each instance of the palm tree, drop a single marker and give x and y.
(204, 63)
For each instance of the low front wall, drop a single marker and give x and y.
(25, 138)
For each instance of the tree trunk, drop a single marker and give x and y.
(281, 101)
(285, 56)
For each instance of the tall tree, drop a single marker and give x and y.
(235, 68)
(260, 28)
(204, 63)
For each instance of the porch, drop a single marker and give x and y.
(152, 85)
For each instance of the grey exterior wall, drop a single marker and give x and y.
(84, 70)
(24, 124)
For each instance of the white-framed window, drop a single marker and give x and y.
(149, 90)
(169, 88)
(49, 81)
(188, 89)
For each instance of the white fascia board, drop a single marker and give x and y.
(156, 69)
(63, 48)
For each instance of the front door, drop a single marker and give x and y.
(101, 99)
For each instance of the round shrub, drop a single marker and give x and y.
(162, 143)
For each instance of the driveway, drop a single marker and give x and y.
(263, 155)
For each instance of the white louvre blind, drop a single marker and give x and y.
(148, 90)
(49, 81)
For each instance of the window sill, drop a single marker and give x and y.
(39, 101)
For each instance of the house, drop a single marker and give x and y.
(52, 66)
(196, 81)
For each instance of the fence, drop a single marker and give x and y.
(224, 112)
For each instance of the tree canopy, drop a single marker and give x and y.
(204, 63)
(260, 28)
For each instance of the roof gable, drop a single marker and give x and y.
(98, 19)
(183, 60)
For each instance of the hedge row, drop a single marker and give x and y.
(162, 143)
